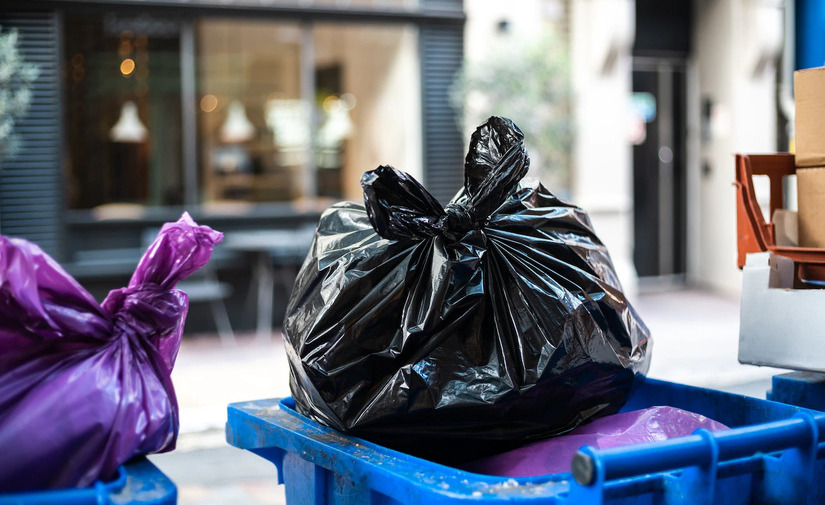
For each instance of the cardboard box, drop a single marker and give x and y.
(809, 96)
(785, 228)
(810, 188)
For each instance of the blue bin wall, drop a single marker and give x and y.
(805, 389)
(139, 482)
(773, 455)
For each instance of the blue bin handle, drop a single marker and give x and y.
(796, 438)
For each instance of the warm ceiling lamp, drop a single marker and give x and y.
(128, 127)
(127, 66)
(237, 127)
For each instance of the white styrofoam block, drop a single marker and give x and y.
(780, 326)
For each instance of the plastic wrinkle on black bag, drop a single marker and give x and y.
(454, 333)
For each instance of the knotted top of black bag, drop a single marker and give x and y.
(400, 208)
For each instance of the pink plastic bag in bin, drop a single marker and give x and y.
(86, 386)
(554, 455)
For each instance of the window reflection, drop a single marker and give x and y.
(265, 137)
(368, 102)
(251, 121)
(123, 110)
(286, 111)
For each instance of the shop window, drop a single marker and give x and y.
(253, 124)
(123, 110)
(292, 112)
(381, 4)
(286, 111)
(368, 103)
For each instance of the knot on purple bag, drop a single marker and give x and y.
(148, 310)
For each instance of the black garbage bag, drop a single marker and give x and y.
(453, 333)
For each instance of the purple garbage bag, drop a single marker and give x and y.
(555, 454)
(86, 386)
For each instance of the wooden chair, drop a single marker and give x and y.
(753, 233)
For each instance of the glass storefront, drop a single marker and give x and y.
(286, 111)
(368, 103)
(252, 122)
(123, 110)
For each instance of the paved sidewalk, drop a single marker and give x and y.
(695, 342)
(207, 378)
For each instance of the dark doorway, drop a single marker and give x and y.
(660, 54)
(659, 175)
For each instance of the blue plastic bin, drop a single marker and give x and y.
(773, 454)
(138, 482)
(805, 389)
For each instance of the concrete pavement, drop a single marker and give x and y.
(695, 342)
(207, 377)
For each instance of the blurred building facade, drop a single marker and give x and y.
(664, 93)
(247, 114)
(260, 114)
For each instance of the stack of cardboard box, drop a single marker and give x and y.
(781, 325)
(809, 93)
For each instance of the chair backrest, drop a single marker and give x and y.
(753, 233)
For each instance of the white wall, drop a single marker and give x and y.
(601, 40)
(731, 38)
(526, 19)
(732, 63)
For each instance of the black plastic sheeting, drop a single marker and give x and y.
(453, 333)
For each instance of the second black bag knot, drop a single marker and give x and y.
(400, 208)
(457, 221)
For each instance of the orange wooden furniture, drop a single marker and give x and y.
(753, 233)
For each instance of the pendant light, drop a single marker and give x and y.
(128, 128)
(237, 127)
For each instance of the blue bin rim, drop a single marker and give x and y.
(273, 428)
(94, 494)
